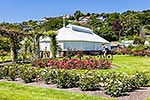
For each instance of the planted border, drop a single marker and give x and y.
(112, 83)
(73, 64)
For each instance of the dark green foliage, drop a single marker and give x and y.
(94, 23)
(10, 72)
(69, 53)
(67, 79)
(4, 44)
(126, 24)
(139, 41)
(1, 72)
(53, 24)
(49, 76)
(77, 14)
(28, 74)
(117, 84)
(3, 54)
(106, 33)
(89, 81)
(114, 84)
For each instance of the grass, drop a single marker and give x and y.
(131, 64)
(128, 64)
(11, 91)
(6, 58)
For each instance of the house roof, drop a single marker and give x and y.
(84, 17)
(77, 33)
(114, 43)
(127, 41)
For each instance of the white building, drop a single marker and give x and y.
(75, 37)
(126, 43)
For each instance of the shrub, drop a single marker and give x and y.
(66, 79)
(89, 81)
(79, 54)
(28, 74)
(112, 83)
(1, 73)
(69, 53)
(10, 72)
(74, 64)
(116, 84)
(49, 76)
(39, 63)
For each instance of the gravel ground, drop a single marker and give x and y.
(139, 94)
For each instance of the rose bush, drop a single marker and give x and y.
(73, 64)
(112, 83)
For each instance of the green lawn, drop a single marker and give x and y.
(6, 58)
(131, 64)
(128, 64)
(11, 91)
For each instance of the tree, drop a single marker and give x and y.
(15, 34)
(53, 24)
(106, 33)
(111, 18)
(53, 42)
(116, 27)
(147, 29)
(130, 23)
(77, 14)
(138, 40)
(94, 22)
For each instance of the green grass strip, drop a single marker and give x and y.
(11, 91)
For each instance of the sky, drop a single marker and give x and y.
(23, 10)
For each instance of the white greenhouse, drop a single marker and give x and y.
(75, 37)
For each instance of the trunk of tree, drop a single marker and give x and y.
(14, 52)
(53, 46)
(32, 49)
(38, 47)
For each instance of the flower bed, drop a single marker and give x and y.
(135, 51)
(112, 83)
(73, 64)
(141, 53)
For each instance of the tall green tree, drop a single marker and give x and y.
(106, 33)
(53, 24)
(130, 23)
(94, 23)
(111, 18)
(78, 14)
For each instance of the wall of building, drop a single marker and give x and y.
(85, 46)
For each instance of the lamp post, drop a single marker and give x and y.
(63, 20)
